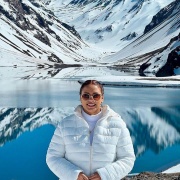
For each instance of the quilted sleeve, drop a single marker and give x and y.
(124, 158)
(56, 161)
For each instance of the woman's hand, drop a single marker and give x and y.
(95, 176)
(82, 176)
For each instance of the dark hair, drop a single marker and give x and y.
(97, 83)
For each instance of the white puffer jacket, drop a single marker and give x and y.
(111, 153)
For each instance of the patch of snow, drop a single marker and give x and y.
(173, 81)
(174, 169)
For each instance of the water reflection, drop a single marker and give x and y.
(155, 130)
(25, 134)
(61, 72)
(152, 128)
(15, 121)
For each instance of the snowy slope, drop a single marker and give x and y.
(31, 29)
(151, 41)
(154, 47)
(110, 24)
(131, 33)
(138, 35)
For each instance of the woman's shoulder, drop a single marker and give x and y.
(67, 122)
(70, 118)
(115, 118)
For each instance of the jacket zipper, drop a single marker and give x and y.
(90, 160)
(91, 146)
(90, 164)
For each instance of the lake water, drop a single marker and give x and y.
(30, 110)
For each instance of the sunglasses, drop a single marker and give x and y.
(87, 96)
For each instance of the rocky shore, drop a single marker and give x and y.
(154, 176)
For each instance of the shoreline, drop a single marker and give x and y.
(153, 176)
(172, 173)
(137, 81)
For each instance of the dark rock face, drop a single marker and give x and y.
(35, 23)
(130, 36)
(54, 58)
(161, 16)
(20, 10)
(16, 4)
(109, 28)
(142, 68)
(43, 38)
(85, 2)
(137, 6)
(173, 60)
(71, 29)
(172, 48)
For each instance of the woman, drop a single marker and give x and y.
(93, 143)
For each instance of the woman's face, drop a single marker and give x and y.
(90, 105)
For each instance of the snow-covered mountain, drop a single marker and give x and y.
(110, 23)
(140, 32)
(144, 124)
(157, 51)
(140, 35)
(28, 28)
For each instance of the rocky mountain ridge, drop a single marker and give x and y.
(31, 29)
(119, 33)
(104, 23)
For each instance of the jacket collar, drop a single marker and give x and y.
(107, 111)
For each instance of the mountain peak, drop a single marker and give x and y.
(33, 30)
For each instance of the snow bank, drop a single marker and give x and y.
(172, 81)
(174, 169)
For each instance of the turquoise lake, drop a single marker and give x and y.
(30, 111)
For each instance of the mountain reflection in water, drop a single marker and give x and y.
(152, 128)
